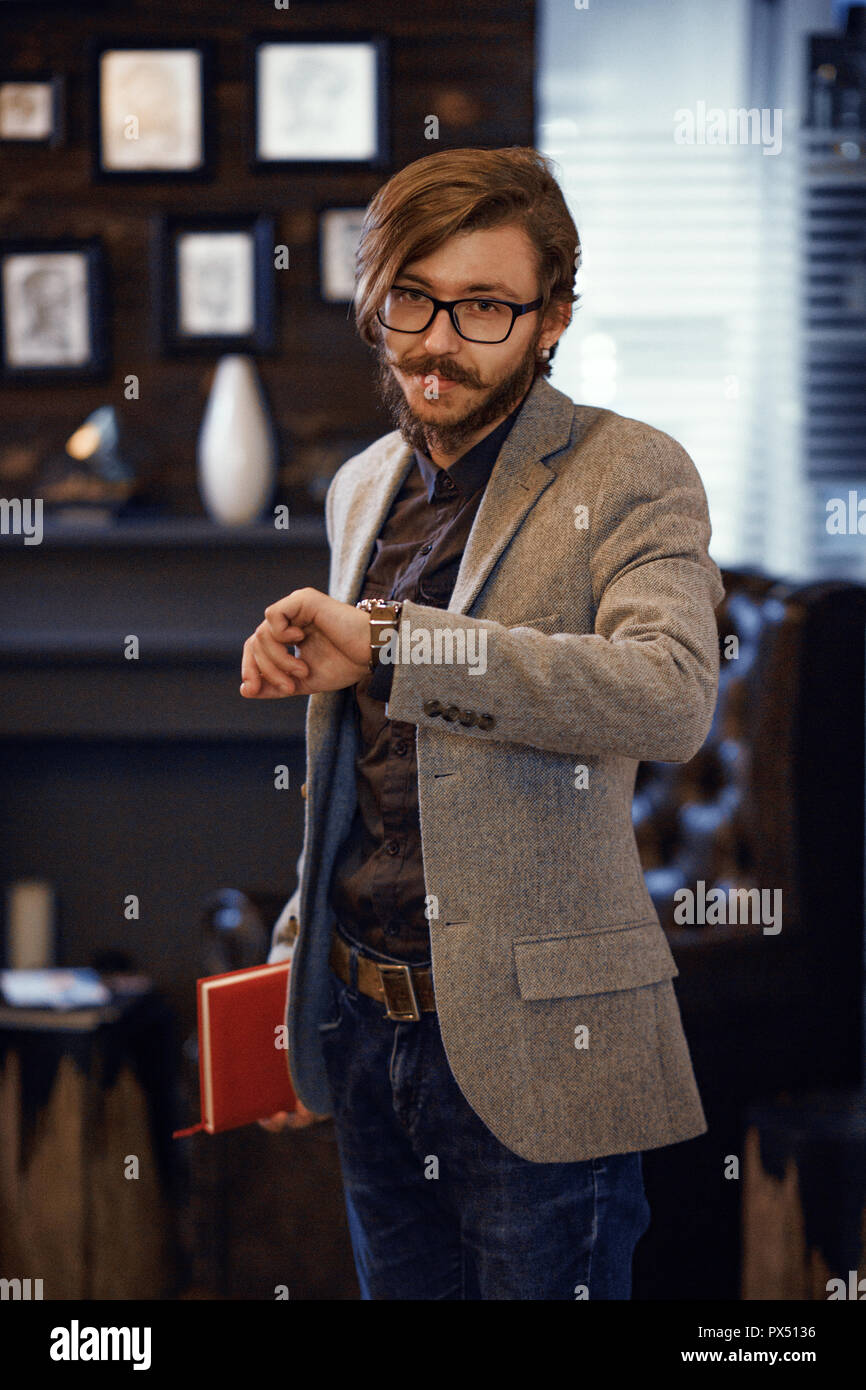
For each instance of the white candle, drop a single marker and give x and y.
(30, 924)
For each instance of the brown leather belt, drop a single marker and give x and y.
(406, 991)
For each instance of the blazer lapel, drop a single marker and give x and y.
(519, 476)
(367, 513)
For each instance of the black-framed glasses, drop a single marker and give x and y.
(407, 310)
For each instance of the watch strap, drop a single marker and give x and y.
(384, 616)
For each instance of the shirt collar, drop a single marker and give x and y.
(472, 470)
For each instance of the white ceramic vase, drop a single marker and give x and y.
(236, 451)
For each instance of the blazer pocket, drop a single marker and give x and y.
(594, 962)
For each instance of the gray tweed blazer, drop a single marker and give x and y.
(587, 580)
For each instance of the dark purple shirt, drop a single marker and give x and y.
(377, 887)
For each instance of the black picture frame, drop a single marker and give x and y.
(97, 365)
(57, 136)
(379, 47)
(169, 339)
(97, 47)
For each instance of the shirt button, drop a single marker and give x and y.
(393, 846)
(425, 550)
(400, 748)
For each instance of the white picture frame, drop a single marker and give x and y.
(150, 113)
(318, 101)
(339, 232)
(30, 110)
(53, 309)
(45, 301)
(216, 283)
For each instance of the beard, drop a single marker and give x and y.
(449, 437)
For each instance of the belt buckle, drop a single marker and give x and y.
(391, 974)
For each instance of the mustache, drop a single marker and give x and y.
(430, 367)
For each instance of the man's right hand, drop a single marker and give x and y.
(299, 1118)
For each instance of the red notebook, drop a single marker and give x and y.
(242, 1059)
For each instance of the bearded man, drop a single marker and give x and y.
(520, 609)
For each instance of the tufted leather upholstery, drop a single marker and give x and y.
(774, 799)
(781, 767)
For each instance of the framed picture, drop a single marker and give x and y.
(319, 101)
(339, 233)
(53, 310)
(150, 110)
(214, 283)
(31, 110)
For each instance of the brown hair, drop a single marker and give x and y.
(452, 191)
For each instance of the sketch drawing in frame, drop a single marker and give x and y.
(150, 113)
(339, 233)
(52, 310)
(321, 102)
(31, 110)
(215, 283)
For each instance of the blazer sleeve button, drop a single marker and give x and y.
(432, 707)
(467, 716)
(485, 721)
(451, 713)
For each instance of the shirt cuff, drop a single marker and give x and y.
(379, 684)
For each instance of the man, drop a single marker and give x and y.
(481, 990)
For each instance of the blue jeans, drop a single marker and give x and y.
(438, 1207)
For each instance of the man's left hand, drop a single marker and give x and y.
(331, 641)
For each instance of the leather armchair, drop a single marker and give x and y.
(774, 800)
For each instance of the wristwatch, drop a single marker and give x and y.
(384, 615)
